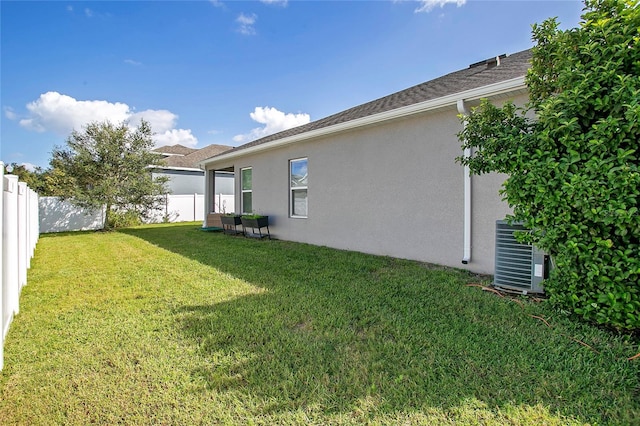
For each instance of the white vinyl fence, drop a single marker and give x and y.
(224, 203)
(57, 215)
(180, 208)
(19, 227)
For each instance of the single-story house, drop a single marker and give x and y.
(381, 177)
(181, 166)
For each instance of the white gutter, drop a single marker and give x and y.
(466, 256)
(444, 101)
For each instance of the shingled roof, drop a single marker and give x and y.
(176, 149)
(494, 70)
(192, 156)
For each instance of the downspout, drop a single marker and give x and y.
(466, 256)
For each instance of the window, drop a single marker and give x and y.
(298, 180)
(246, 189)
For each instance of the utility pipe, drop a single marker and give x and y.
(466, 255)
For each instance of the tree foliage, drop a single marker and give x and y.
(31, 177)
(49, 182)
(573, 169)
(108, 165)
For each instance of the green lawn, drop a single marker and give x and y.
(172, 325)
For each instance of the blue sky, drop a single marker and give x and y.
(227, 72)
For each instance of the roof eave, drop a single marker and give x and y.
(189, 169)
(495, 89)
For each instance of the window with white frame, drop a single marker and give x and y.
(298, 180)
(246, 185)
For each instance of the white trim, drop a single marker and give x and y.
(243, 191)
(297, 188)
(186, 169)
(494, 89)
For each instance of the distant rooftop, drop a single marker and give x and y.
(176, 149)
(183, 157)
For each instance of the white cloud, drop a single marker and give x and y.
(29, 166)
(61, 113)
(132, 62)
(216, 3)
(88, 12)
(10, 113)
(429, 5)
(274, 121)
(160, 120)
(174, 136)
(57, 113)
(246, 24)
(282, 3)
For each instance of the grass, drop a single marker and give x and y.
(171, 325)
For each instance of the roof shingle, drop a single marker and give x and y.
(477, 75)
(176, 149)
(191, 160)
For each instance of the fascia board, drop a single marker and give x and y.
(188, 169)
(494, 89)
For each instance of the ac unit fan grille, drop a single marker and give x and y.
(514, 260)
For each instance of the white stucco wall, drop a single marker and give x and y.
(186, 182)
(390, 189)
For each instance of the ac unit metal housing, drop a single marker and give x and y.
(518, 267)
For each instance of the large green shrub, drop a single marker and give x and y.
(573, 170)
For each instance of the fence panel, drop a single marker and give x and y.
(224, 203)
(57, 215)
(185, 208)
(62, 216)
(20, 232)
(22, 236)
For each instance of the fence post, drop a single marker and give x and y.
(22, 236)
(34, 223)
(10, 283)
(1, 266)
(27, 228)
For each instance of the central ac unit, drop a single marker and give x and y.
(519, 267)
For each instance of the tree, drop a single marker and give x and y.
(45, 182)
(31, 177)
(108, 165)
(573, 171)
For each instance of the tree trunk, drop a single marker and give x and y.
(107, 218)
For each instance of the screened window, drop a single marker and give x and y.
(298, 180)
(246, 189)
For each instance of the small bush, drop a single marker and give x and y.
(124, 219)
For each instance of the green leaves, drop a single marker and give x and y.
(574, 173)
(498, 136)
(108, 165)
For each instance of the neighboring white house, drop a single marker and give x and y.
(381, 177)
(181, 166)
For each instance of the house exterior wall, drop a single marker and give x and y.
(183, 181)
(389, 189)
(187, 182)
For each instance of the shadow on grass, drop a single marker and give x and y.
(339, 330)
